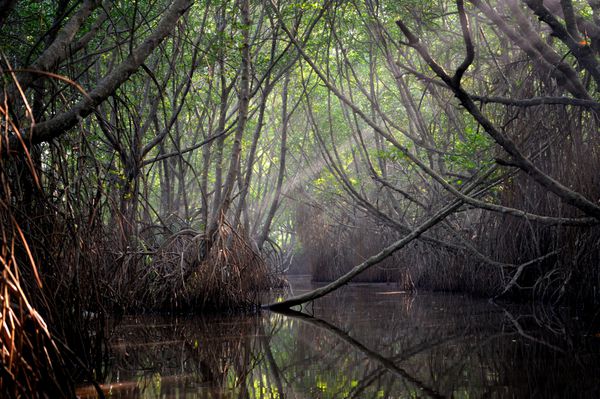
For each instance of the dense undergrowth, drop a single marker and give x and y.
(70, 266)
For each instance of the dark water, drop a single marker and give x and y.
(366, 341)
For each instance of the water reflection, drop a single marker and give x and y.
(361, 342)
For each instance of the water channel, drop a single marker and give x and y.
(363, 341)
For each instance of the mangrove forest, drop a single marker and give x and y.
(299, 198)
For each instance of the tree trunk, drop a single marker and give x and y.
(243, 100)
(282, 153)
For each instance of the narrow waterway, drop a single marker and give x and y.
(363, 341)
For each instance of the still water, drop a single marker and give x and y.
(363, 341)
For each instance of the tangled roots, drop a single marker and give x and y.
(191, 271)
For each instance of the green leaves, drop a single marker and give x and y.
(472, 152)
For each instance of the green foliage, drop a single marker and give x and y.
(472, 153)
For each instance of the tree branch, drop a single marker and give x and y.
(52, 128)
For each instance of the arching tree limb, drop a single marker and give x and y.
(56, 126)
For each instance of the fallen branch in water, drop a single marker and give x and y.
(373, 260)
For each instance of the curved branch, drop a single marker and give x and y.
(52, 128)
(535, 101)
(466, 32)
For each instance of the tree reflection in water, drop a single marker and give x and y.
(361, 342)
